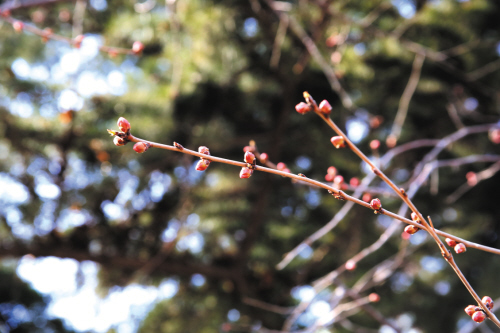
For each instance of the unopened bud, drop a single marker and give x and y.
(338, 180)
(414, 217)
(450, 242)
(77, 42)
(374, 144)
(249, 157)
(460, 248)
(245, 172)
(411, 229)
(18, 26)
(202, 164)
(325, 107)
(350, 265)
(281, 166)
(338, 141)
(141, 147)
(354, 182)
(479, 316)
(375, 204)
(264, 158)
(203, 150)
(302, 108)
(366, 197)
(123, 125)
(374, 297)
(119, 141)
(470, 310)
(488, 302)
(137, 47)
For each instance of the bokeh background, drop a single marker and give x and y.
(97, 238)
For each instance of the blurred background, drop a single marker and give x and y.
(97, 238)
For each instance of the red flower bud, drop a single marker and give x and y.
(411, 229)
(249, 157)
(245, 172)
(286, 170)
(375, 204)
(78, 41)
(141, 147)
(18, 26)
(479, 316)
(332, 171)
(264, 158)
(374, 144)
(119, 141)
(137, 47)
(302, 108)
(325, 107)
(123, 124)
(329, 177)
(488, 302)
(338, 142)
(494, 135)
(203, 150)
(414, 217)
(471, 178)
(202, 164)
(338, 180)
(450, 242)
(350, 265)
(281, 166)
(374, 297)
(470, 310)
(354, 182)
(366, 197)
(460, 248)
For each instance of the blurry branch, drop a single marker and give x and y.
(405, 100)
(266, 306)
(316, 54)
(453, 113)
(278, 42)
(17, 4)
(478, 177)
(483, 71)
(78, 16)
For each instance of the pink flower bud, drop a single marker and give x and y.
(78, 41)
(414, 217)
(123, 125)
(286, 170)
(460, 248)
(375, 204)
(141, 147)
(202, 164)
(264, 158)
(471, 178)
(366, 197)
(479, 316)
(281, 166)
(203, 150)
(488, 302)
(245, 172)
(249, 157)
(325, 107)
(411, 229)
(137, 47)
(374, 297)
(302, 108)
(470, 310)
(338, 142)
(338, 179)
(494, 135)
(332, 171)
(450, 242)
(354, 182)
(374, 144)
(329, 177)
(119, 141)
(18, 26)
(350, 265)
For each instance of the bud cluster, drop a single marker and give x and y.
(203, 163)
(121, 138)
(458, 247)
(476, 312)
(411, 229)
(250, 160)
(324, 107)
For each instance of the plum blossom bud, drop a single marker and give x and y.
(119, 141)
(470, 310)
(338, 180)
(411, 229)
(375, 144)
(488, 302)
(414, 217)
(78, 41)
(374, 297)
(203, 150)
(123, 125)
(245, 172)
(338, 142)
(202, 164)
(375, 204)
(137, 47)
(302, 108)
(354, 182)
(366, 197)
(18, 26)
(350, 265)
(264, 158)
(281, 166)
(479, 316)
(450, 242)
(460, 248)
(325, 107)
(141, 147)
(249, 157)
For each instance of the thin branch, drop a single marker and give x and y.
(278, 41)
(483, 71)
